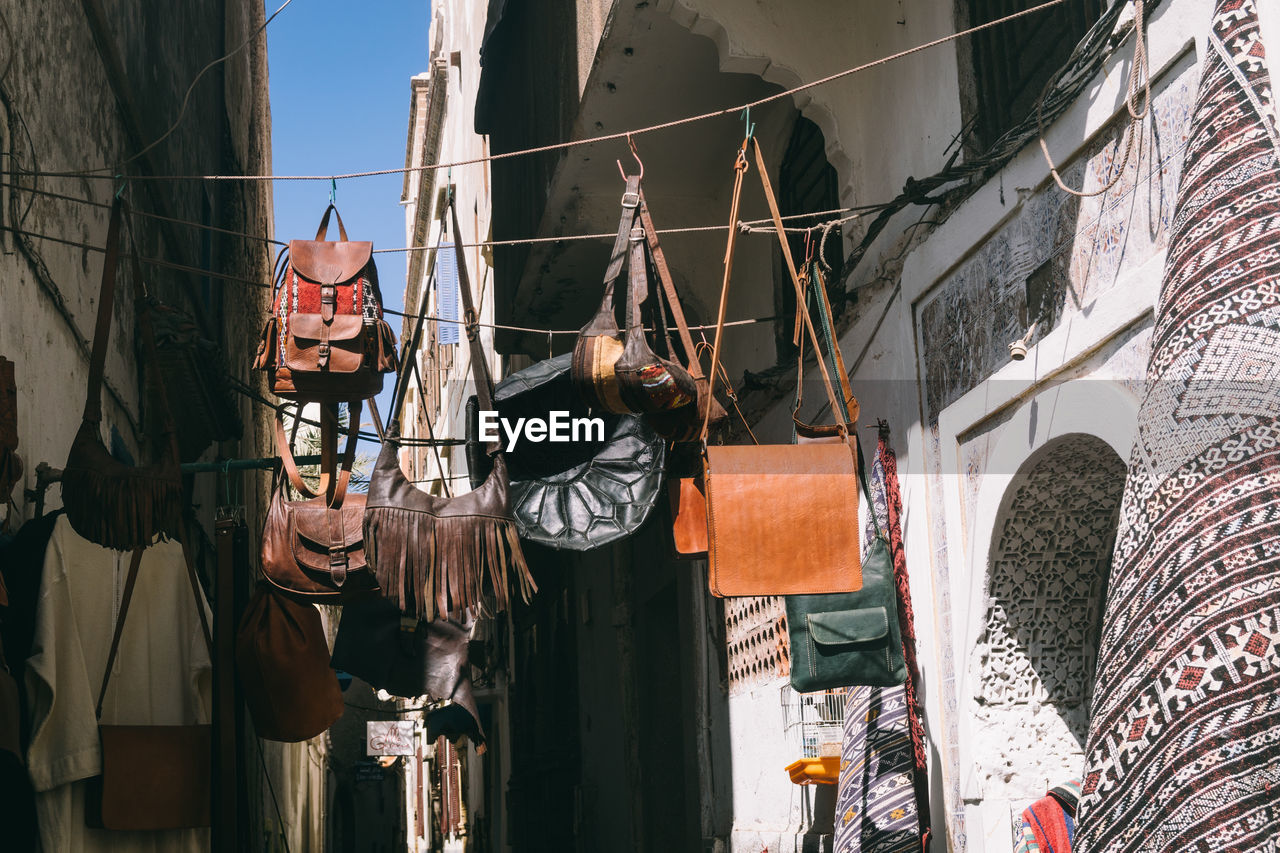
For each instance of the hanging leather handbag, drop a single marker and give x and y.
(621, 373)
(153, 777)
(850, 638)
(282, 657)
(781, 519)
(110, 503)
(580, 494)
(684, 423)
(326, 340)
(411, 657)
(313, 549)
(440, 555)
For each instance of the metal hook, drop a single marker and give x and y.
(333, 191)
(751, 128)
(121, 183)
(634, 153)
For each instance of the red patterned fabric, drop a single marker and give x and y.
(906, 620)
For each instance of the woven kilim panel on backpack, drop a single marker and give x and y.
(1184, 744)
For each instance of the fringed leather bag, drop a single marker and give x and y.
(313, 549)
(433, 555)
(326, 340)
(620, 373)
(110, 503)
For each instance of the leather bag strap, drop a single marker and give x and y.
(827, 325)
(637, 282)
(408, 353)
(741, 167)
(837, 409)
(739, 172)
(479, 363)
(669, 290)
(630, 206)
(322, 232)
(131, 581)
(290, 466)
(102, 329)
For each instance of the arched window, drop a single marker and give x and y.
(807, 184)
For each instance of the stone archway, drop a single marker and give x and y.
(1033, 662)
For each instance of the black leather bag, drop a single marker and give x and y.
(576, 495)
(408, 657)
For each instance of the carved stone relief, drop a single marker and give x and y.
(1034, 659)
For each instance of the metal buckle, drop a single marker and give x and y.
(328, 294)
(631, 200)
(637, 234)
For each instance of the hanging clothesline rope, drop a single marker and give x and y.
(573, 143)
(755, 226)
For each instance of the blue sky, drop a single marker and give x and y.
(340, 103)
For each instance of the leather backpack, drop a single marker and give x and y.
(326, 340)
(313, 549)
(436, 555)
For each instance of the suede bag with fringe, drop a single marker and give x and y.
(110, 503)
(441, 555)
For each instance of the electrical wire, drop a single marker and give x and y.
(786, 93)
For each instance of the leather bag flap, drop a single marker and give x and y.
(308, 349)
(329, 261)
(845, 627)
(311, 327)
(312, 537)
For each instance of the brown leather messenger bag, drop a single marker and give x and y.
(781, 519)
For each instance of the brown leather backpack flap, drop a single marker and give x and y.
(329, 262)
(313, 345)
(782, 519)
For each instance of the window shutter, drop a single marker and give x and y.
(447, 294)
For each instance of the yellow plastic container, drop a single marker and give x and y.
(815, 771)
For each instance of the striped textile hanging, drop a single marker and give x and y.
(1182, 750)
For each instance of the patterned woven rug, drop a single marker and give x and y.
(1184, 744)
(877, 805)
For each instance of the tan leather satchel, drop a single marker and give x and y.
(153, 777)
(313, 549)
(781, 519)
